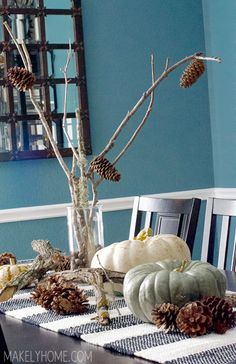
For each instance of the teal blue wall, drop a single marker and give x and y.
(173, 152)
(119, 38)
(220, 30)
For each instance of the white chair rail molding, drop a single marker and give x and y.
(108, 205)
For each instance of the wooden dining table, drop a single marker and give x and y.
(27, 343)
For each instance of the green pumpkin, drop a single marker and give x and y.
(170, 281)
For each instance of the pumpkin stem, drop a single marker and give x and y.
(144, 234)
(12, 261)
(182, 267)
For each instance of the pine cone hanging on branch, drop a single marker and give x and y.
(105, 169)
(164, 316)
(192, 73)
(21, 78)
(7, 258)
(60, 296)
(223, 315)
(194, 319)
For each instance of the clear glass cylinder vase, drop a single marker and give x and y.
(85, 229)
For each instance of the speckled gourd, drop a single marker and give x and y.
(10, 271)
(170, 281)
(127, 254)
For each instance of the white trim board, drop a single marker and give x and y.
(113, 204)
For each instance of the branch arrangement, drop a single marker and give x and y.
(81, 176)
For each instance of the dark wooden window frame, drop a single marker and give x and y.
(45, 81)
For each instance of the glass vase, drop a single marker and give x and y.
(85, 229)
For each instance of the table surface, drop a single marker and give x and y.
(27, 343)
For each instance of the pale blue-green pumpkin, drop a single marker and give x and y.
(170, 281)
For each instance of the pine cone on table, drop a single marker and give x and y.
(21, 78)
(105, 169)
(231, 298)
(223, 315)
(194, 319)
(192, 73)
(61, 296)
(63, 263)
(164, 316)
(7, 258)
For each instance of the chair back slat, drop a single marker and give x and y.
(166, 216)
(207, 229)
(226, 210)
(148, 219)
(223, 242)
(135, 219)
(233, 264)
(184, 221)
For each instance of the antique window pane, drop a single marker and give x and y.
(55, 22)
(37, 23)
(4, 109)
(57, 4)
(30, 135)
(58, 98)
(5, 137)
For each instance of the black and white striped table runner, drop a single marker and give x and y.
(126, 334)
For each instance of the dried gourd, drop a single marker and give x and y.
(11, 271)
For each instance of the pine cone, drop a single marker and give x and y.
(194, 319)
(223, 315)
(7, 258)
(105, 169)
(21, 78)
(164, 316)
(231, 298)
(192, 73)
(63, 264)
(61, 296)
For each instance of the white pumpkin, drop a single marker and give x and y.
(127, 254)
(10, 271)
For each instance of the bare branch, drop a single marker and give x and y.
(143, 120)
(216, 59)
(111, 283)
(83, 275)
(27, 57)
(65, 73)
(81, 150)
(103, 316)
(49, 133)
(145, 95)
(167, 63)
(18, 46)
(82, 163)
(74, 165)
(94, 184)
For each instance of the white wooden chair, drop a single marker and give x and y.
(226, 209)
